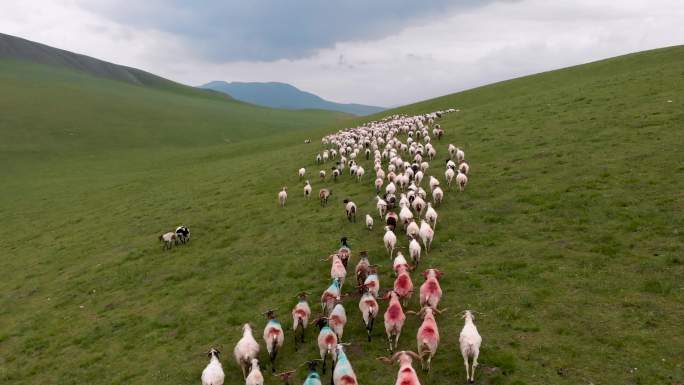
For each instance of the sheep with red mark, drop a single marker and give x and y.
(407, 375)
(403, 285)
(273, 337)
(430, 290)
(369, 310)
(394, 319)
(427, 337)
(327, 341)
(330, 295)
(300, 317)
(337, 319)
(343, 374)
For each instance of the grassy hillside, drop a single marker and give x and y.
(568, 237)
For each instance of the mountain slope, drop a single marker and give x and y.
(282, 95)
(568, 239)
(16, 48)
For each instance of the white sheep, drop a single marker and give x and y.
(431, 216)
(412, 229)
(169, 239)
(359, 173)
(414, 251)
(434, 182)
(378, 185)
(382, 206)
(246, 349)
(470, 341)
(460, 155)
(426, 234)
(255, 377)
(437, 195)
(449, 176)
(213, 373)
(302, 171)
(321, 174)
(282, 197)
(369, 222)
(307, 190)
(390, 240)
(461, 180)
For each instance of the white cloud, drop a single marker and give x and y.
(452, 52)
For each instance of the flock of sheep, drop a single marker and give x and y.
(404, 193)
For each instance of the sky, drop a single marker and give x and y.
(380, 52)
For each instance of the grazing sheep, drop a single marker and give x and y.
(427, 337)
(431, 216)
(369, 310)
(394, 319)
(350, 210)
(273, 337)
(343, 373)
(246, 349)
(382, 206)
(337, 319)
(470, 341)
(282, 197)
(255, 377)
(449, 176)
(414, 251)
(327, 341)
(369, 222)
(213, 373)
(323, 195)
(426, 235)
(307, 190)
(390, 240)
(169, 239)
(302, 171)
(183, 234)
(300, 317)
(437, 195)
(430, 290)
(462, 180)
(407, 375)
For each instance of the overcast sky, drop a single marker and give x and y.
(379, 52)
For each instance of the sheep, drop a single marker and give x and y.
(378, 185)
(327, 341)
(369, 222)
(362, 269)
(394, 319)
(418, 177)
(282, 197)
(369, 310)
(319, 159)
(412, 229)
(169, 239)
(307, 190)
(335, 174)
(255, 377)
(437, 195)
(344, 251)
(382, 206)
(452, 150)
(343, 374)
(330, 295)
(398, 262)
(426, 235)
(434, 183)
(246, 349)
(300, 317)
(337, 319)
(183, 234)
(418, 204)
(431, 216)
(403, 285)
(405, 215)
(337, 269)
(460, 155)
(323, 195)
(273, 337)
(464, 167)
(462, 180)
(430, 290)
(414, 251)
(470, 341)
(213, 373)
(313, 378)
(321, 174)
(390, 241)
(449, 176)
(407, 375)
(285, 376)
(350, 210)
(427, 337)
(359, 173)
(372, 282)
(301, 173)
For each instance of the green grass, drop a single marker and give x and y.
(568, 237)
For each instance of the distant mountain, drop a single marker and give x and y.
(16, 48)
(283, 95)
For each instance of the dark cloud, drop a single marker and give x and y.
(263, 30)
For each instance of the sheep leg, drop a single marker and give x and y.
(465, 362)
(472, 374)
(396, 340)
(325, 359)
(389, 338)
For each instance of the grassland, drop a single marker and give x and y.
(568, 238)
